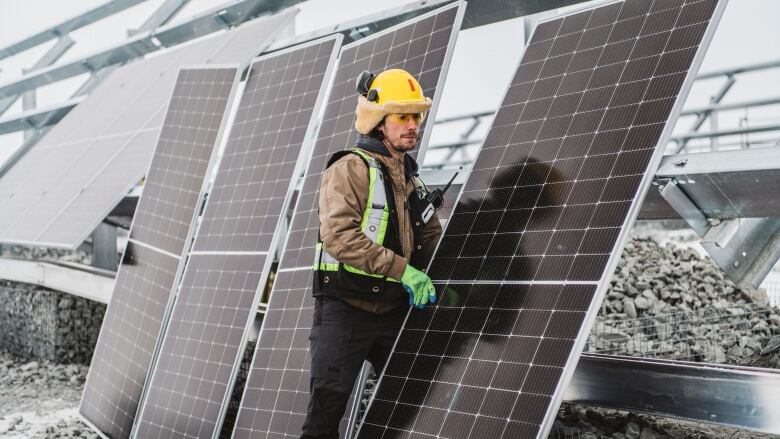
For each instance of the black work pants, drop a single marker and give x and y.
(342, 337)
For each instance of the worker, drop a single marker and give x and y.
(373, 245)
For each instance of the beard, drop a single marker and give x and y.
(404, 144)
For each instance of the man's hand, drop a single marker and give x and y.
(419, 287)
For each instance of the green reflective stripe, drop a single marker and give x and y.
(317, 255)
(375, 219)
(324, 260)
(383, 227)
(364, 225)
(375, 215)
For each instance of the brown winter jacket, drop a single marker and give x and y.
(343, 197)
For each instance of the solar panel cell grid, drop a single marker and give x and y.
(276, 395)
(176, 177)
(206, 327)
(151, 260)
(537, 225)
(229, 261)
(111, 394)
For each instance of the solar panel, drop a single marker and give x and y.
(91, 159)
(277, 389)
(229, 263)
(151, 261)
(536, 234)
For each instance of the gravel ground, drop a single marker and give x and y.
(576, 421)
(39, 399)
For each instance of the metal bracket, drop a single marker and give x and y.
(745, 248)
(671, 192)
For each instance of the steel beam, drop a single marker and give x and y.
(733, 132)
(731, 106)
(740, 69)
(79, 280)
(682, 142)
(104, 248)
(37, 118)
(162, 15)
(723, 184)
(50, 57)
(716, 394)
(107, 9)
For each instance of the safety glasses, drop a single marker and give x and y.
(405, 117)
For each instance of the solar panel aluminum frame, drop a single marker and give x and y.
(281, 229)
(188, 240)
(633, 212)
(292, 12)
(461, 5)
(240, 67)
(622, 238)
(422, 150)
(266, 268)
(280, 235)
(457, 24)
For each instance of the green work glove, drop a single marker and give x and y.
(419, 287)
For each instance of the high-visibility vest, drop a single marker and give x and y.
(376, 219)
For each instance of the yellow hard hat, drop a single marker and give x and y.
(392, 91)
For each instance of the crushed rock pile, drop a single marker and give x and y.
(762, 353)
(668, 302)
(45, 253)
(651, 280)
(577, 421)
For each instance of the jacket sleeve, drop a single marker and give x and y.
(431, 235)
(343, 196)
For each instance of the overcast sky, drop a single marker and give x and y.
(749, 33)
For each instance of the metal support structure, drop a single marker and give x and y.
(37, 118)
(60, 30)
(104, 248)
(142, 43)
(162, 15)
(360, 388)
(50, 57)
(684, 138)
(682, 142)
(671, 192)
(717, 394)
(732, 106)
(80, 280)
(745, 248)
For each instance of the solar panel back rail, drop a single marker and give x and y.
(151, 262)
(537, 231)
(231, 257)
(276, 392)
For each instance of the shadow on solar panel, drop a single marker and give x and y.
(530, 246)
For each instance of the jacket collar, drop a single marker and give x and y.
(371, 144)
